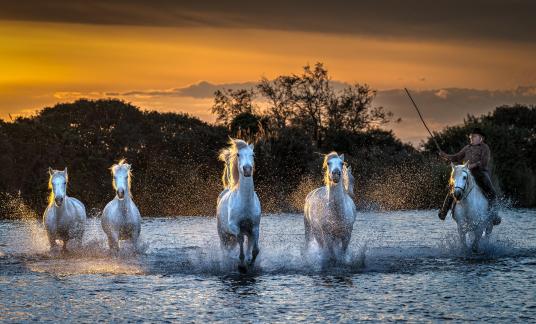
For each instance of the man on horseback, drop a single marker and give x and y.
(477, 155)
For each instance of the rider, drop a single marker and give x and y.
(477, 154)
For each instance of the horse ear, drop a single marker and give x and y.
(65, 171)
(251, 146)
(465, 164)
(50, 171)
(342, 157)
(452, 165)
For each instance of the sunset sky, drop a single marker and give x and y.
(458, 57)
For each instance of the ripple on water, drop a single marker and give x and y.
(400, 266)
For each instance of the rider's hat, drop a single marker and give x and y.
(478, 131)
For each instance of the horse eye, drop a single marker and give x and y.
(237, 154)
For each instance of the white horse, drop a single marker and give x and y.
(65, 216)
(121, 218)
(471, 206)
(238, 207)
(330, 212)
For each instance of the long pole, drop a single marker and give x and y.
(423, 122)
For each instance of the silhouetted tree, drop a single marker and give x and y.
(230, 103)
(352, 110)
(281, 97)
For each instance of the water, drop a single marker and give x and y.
(402, 266)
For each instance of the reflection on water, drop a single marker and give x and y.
(401, 266)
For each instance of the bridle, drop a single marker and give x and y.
(463, 189)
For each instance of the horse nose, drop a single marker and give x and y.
(336, 175)
(457, 194)
(248, 170)
(120, 193)
(58, 200)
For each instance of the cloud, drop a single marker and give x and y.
(199, 90)
(443, 94)
(437, 20)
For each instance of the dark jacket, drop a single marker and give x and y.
(478, 154)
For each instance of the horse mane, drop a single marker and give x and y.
(348, 179)
(328, 157)
(122, 163)
(225, 156)
(231, 176)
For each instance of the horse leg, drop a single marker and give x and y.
(78, 237)
(64, 249)
(478, 235)
(330, 249)
(241, 265)
(113, 241)
(461, 234)
(345, 241)
(489, 229)
(253, 241)
(307, 226)
(227, 241)
(134, 242)
(52, 241)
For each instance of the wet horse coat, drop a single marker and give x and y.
(238, 206)
(329, 211)
(65, 216)
(471, 209)
(121, 219)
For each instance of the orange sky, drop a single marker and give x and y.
(43, 63)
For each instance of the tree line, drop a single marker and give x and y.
(292, 119)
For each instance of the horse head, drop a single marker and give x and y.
(333, 166)
(121, 178)
(58, 184)
(244, 158)
(460, 179)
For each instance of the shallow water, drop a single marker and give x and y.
(401, 266)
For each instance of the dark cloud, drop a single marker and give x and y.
(438, 20)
